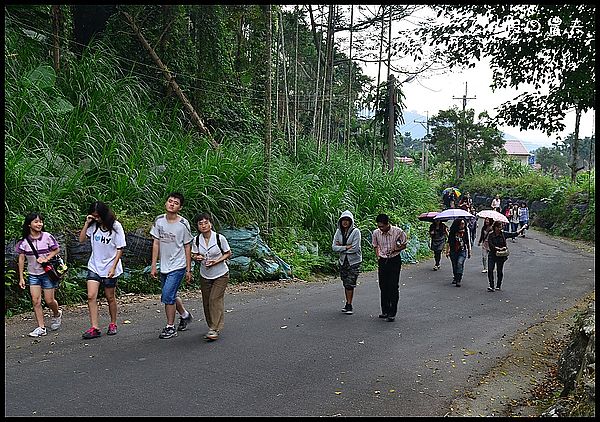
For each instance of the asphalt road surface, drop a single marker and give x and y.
(290, 351)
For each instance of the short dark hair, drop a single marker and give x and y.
(382, 218)
(176, 195)
(202, 216)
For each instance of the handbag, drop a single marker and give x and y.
(503, 251)
(55, 268)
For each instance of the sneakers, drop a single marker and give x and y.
(56, 321)
(38, 332)
(390, 319)
(93, 332)
(457, 284)
(436, 267)
(183, 322)
(490, 289)
(484, 270)
(347, 309)
(383, 316)
(211, 335)
(168, 332)
(497, 287)
(112, 329)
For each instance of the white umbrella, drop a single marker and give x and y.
(494, 215)
(452, 214)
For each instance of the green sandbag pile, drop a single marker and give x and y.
(252, 259)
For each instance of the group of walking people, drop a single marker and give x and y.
(457, 243)
(173, 250)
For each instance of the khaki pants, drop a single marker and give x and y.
(213, 293)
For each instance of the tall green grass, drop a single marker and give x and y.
(107, 141)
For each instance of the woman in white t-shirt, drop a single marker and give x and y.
(211, 250)
(104, 266)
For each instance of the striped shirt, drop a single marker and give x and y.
(44, 245)
(386, 242)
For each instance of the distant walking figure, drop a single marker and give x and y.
(496, 203)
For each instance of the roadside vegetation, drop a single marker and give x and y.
(94, 131)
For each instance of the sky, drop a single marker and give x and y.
(440, 92)
(430, 94)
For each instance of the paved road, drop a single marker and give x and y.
(290, 350)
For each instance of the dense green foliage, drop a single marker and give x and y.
(106, 141)
(105, 128)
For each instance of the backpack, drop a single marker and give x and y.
(218, 243)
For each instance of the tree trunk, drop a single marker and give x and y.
(391, 122)
(575, 145)
(347, 137)
(375, 134)
(56, 24)
(267, 178)
(285, 84)
(315, 130)
(295, 143)
(194, 116)
(326, 72)
(332, 10)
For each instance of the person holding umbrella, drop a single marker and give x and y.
(438, 233)
(458, 249)
(497, 241)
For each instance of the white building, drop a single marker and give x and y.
(516, 150)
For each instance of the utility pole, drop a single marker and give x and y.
(391, 121)
(464, 99)
(425, 141)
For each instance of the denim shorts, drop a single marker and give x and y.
(169, 283)
(42, 280)
(105, 281)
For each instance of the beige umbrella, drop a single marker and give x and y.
(494, 215)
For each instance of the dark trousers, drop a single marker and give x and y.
(388, 272)
(458, 265)
(498, 262)
(437, 255)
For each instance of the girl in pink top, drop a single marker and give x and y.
(46, 247)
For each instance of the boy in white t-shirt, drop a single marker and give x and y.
(172, 239)
(104, 266)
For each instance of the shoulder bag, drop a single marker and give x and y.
(55, 268)
(503, 251)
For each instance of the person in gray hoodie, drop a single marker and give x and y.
(347, 242)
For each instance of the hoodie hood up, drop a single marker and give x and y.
(346, 214)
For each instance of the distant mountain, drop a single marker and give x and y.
(417, 130)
